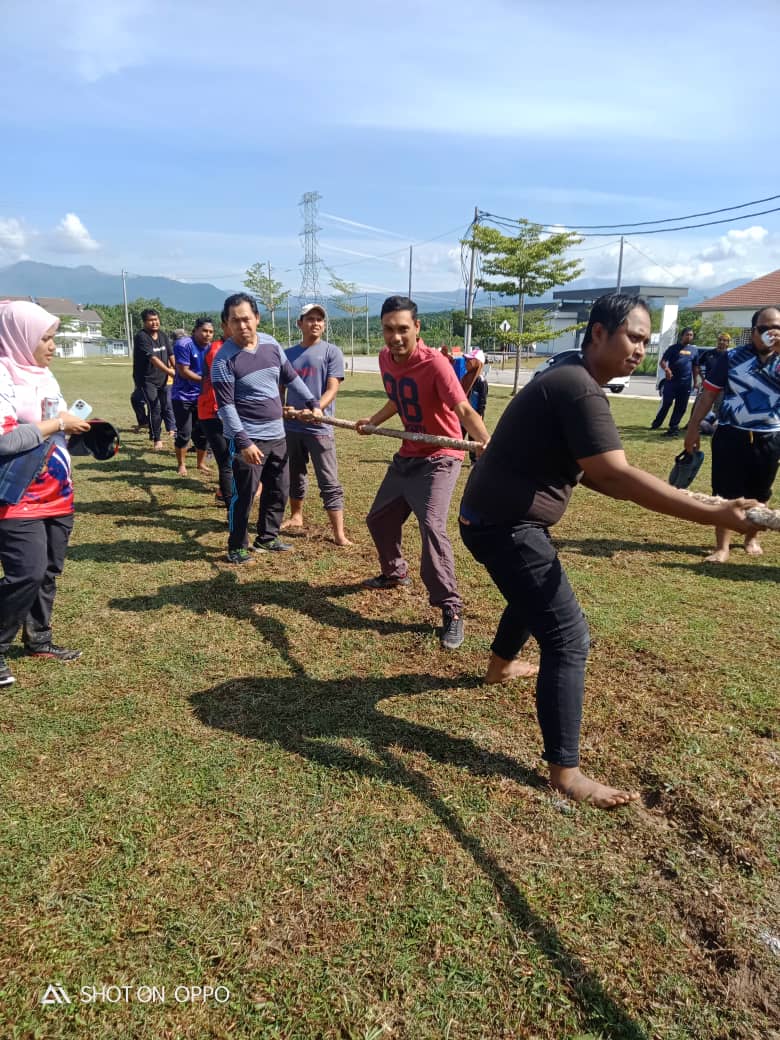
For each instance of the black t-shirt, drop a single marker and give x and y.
(144, 349)
(528, 470)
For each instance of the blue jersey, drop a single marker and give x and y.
(751, 389)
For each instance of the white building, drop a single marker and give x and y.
(80, 333)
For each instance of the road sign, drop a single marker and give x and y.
(505, 326)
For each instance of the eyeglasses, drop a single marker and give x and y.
(761, 329)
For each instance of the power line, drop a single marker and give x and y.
(508, 222)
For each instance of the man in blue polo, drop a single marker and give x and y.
(246, 374)
(680, 364)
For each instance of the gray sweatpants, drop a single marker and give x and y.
(423, 487)
(303, 447)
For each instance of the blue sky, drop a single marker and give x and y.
(177, 138)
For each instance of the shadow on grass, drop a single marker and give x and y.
(731, 571)
(239, 600)
(305, 716)
(609, 547)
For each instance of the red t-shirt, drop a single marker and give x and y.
(207, 401)
(424, 390)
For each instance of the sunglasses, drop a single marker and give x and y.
(761, 329)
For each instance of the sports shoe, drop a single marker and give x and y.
(275, 545)
(381, 582)
(59, 653)
(239, 556)
(7, 677)
(451, 629)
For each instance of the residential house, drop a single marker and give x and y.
(739, 305)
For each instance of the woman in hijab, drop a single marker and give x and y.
(34, 532)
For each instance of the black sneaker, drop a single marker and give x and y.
(58, 653)
(451, 629)
(7, 677)
(239, 556)
(382, 583)
(275, 545)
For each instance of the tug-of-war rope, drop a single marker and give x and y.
(422, 438)
(762, 516)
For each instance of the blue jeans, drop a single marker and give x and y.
(525, 568)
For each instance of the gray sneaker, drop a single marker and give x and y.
(275, 545)
(239, 556)
(451, 629)
(7, 677)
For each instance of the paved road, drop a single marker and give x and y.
(639, 387)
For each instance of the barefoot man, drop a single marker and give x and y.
(746, 444)
(557, 431)
(321, 367)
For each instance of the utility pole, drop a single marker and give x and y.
(289, 328)
(368, 341)
(620, 267)
(411, 250)
(520, 311)
(271, 295)
(470, 290)
(127, 314)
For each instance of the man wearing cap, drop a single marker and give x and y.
(321, 367)
(246, 374)
(475, 387)
(422, 389)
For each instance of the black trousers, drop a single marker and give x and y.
(156, 400)
(221, 451)
(188, 425)
(673, 392)
(32, 553)
(274, 472)
(138, 404)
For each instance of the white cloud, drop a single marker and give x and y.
(70, 236)
(13, 237)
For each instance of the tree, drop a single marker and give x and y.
(266, 291)
(345, 302)
(711, 327)
(524, 265)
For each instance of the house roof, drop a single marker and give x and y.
(63, 308)
(761, 292)
(13, 299)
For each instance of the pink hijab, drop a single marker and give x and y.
(22, 327)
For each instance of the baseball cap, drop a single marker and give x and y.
(101, 441)
(477, 355)
(312, 307)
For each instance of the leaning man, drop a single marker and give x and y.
(424, 391)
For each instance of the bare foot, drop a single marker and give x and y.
(752, 548)
(502, 671)
(580, 788)
(204, 469)
(292, 525)
(182, 471)
(158, 445)
(719, 556)
(343, 542)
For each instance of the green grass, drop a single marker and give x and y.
(275, 781)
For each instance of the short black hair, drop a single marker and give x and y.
(149, 312)
(687, 329)
(759, 312)
(398, 303)
(201, 321)
(611, 311)
(236, 300)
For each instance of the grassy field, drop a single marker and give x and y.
(270, 780)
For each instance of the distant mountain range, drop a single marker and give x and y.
(86, 284)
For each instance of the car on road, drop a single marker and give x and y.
(615, 386)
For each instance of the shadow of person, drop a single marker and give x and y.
(610, 547)
(309, 717)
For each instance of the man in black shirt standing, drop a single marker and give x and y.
(557, 432)
(152, 365)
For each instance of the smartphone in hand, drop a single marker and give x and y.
(81, 409)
